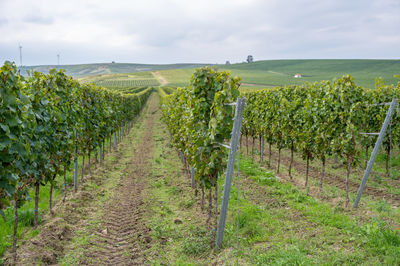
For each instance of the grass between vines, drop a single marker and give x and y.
(369, 206)
(279, 224)
(26, 217)
(81, 242)
(26, 212)
(177, 224)
(292, 228)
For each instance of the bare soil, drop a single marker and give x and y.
(124, 235)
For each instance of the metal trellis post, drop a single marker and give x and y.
(229, 169)
(262, 148)
(76, 169)
(192, 177)
(378, 143)
(101, 152)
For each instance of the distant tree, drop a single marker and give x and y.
(113, 62)
(249, 59)
(227, 62)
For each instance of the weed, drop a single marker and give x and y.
(26, 217)
(167, 180)
(377, 178)
(173, 190)
(395, 174)
(160, 229)
(165, 210)
(291, 255)
(73, 259)
(380, 235)
(382, 206)
(158, 184)
(198, 242)
(299, 197)
(267, 178)
(188, 203)
(339, 207)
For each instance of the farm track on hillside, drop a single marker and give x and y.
(160, 78)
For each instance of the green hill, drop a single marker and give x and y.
(259, 74)
(281, 72)
(107, 68)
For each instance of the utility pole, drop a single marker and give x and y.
(20, 55)
(58, 59)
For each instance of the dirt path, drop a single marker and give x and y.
(160, 78)
(123, 236)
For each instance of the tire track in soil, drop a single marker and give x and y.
(329, 178)
(123, 236)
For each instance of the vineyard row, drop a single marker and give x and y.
(322, 119)
(123, 83)
(46, 121)
(316, 120)
(199, 121)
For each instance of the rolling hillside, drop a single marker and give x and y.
(281, 72)
(260, 74)
(271, 73)
(107, 68)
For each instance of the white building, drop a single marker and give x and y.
(297, 75)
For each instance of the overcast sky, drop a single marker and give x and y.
(206, 31)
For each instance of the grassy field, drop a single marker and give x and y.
(122, 80)
(271, 73)
(177, 77)
(281, 72)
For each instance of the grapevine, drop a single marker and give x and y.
(43, 119)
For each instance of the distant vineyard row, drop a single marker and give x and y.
(123, 83)
(132, 90)
(322, 119)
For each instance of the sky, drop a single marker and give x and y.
(202, 31)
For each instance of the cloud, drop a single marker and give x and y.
(3, 22)
(37, 19)
(170, 31)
